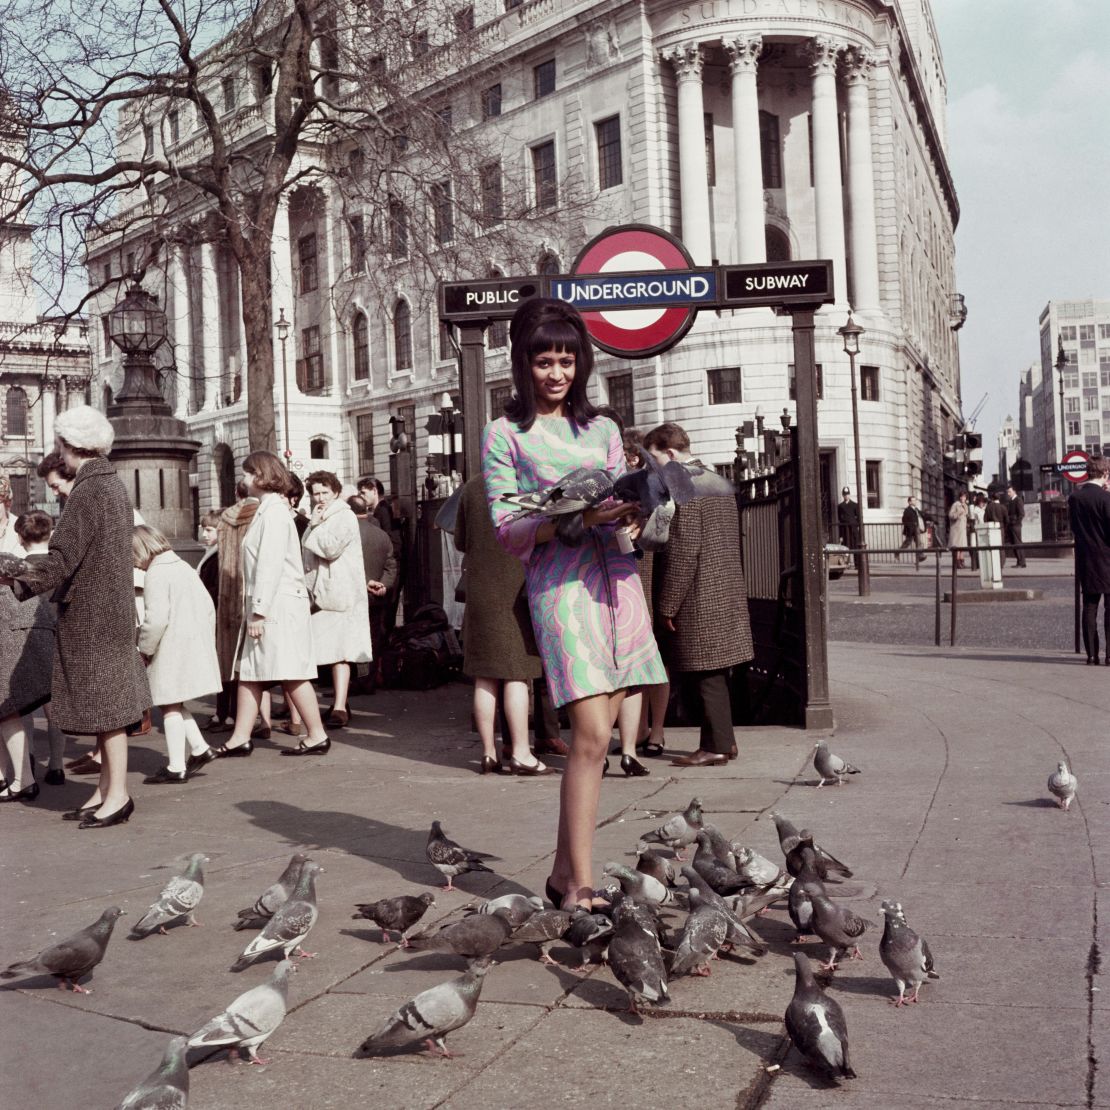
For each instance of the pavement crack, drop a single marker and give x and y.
(933, 799)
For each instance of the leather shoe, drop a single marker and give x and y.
(120, 817)
(554, 746)
(310, 749)
(240, 750)
(260, 732)
(732, 752)
(195, 762)
(165, 775)
(86, 765)
(529, 769)
(700, 758)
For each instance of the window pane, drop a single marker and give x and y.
(543, 172)
(498, 397)
(609, 153)
(621, 398)
(398, 230)
(15, 419)
(402, 336)
(306, 258)
(869, 383)
(364, 434)
(874, 469)
(791, 380)
(770, 150)
(361, 336)
(491, 101)
(490, 184)
(356, 233)
(724, 385)
(710, 151)
(544, 78)
(443, 212)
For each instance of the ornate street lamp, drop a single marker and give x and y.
(850, 333)
(282, 326)
(137, 326)
(1061, 367)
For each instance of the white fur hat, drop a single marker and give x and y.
(85, 428)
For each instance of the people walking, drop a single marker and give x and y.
(995, 513)
(1015, 515)
(1089, 518)
(957, 527)
(976, 518)
(913, 529)
(380, 566)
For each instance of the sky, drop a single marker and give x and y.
(1029, 148)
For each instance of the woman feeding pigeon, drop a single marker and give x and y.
(587, 604)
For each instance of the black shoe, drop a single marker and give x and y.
(55, 777)
(490, 766)
(81, 813)
(648, 747)
(120, 817)
(164, 775)
(195, 762)
(529, 769)
(632, 766)
(316, 749)
(224, 752)
(27, 794)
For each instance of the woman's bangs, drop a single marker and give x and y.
(555, 335)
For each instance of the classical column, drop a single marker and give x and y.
(49, 409)
(692, 173)
(330, 329)
(748, 159)
(211, 347)
(282, 293)
(861, 182)
(180, 328)
(829, 200)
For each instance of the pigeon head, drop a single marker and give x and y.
(111, 913)
(617, 870)
(283, 970)
(820, 744)
(479, 966)
(427, 899)
(805, 836)
(437, 829)
(744, 855)
(893, 911)
(694, 808)
(1062, 767)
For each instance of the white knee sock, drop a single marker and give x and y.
(174, 728)
(197, 744)
(14, 732)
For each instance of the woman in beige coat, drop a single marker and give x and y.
(336, 578)
(275, 641)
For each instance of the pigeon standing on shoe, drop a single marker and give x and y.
(838, 927)
(640, 887)
(905, 954)
(74, 957)
(479, 935)
(636, 958)
(292, 923)
(179, 898)
(679, 830)
(396, 915)
(816, 1024)
(451, 859)
(1062, 785)
(589, 933)
(704, 933)
(543, 929)
(273, 897)
(167, 1087)
(520, 907)
(830, 766)
(250, 1019)
(431, 1015)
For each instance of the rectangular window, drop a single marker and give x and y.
(1090, 379)
(1091, 403)
(770, 150)
(464, 20)
(498, 397)
(1086, 333)
(543, 78)
(790, 376)
(869, 383)
(306, 263)
(1071, 381)
(408, 414)
(489, 183)
(420, 44)
(1104, 376)
(364, 433)
(356, 237)
(263, 78)
(609, 172)
(874, 470)
(107, 271)
(1104, 331)
(398, 229)
(361, 338)
(710, 151)
(622, 400)
(1092, 430)
(446, 348)
(105, 337)
(724, 385)
(173, 120)
(445, 121)
(1071, 404)
(1073, 426)
(491, 101)
(228, 87)
(1067, 332)
(443, 212)
(312, 360)
(497, 334)
(543, 175)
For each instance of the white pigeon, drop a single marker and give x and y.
(830, 766)
(1063, 785)
(250, 1019)
(179, 898)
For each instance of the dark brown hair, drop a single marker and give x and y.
(1098, 467)
(324, 478)
(34, 526)
(667, 437)
(210, 519)
(55, 464)
(269, 471)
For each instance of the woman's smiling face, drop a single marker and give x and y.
(552, 375)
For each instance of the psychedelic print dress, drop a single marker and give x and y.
(587, 603)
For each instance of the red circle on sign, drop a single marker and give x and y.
(1076, 456)
(671, 324)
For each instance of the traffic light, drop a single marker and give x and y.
(973, 441)
(972, 468)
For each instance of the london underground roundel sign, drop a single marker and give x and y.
(1073, 466)
(636, 252)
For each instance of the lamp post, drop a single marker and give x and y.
(137, 326)
(282, 325)
(850, 333)
(447, 412)
(1061, 366)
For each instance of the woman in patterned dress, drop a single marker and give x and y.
(587, 604)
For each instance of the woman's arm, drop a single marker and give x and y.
(331, 536)
(273, 541)
(75, 533)
(156, 615)
(517, 537)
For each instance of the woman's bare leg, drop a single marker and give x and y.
(340, 683)
(303, 697)
(628, 721)
(515, 694)
(112, 791)
(247, 701)
(657, 700)
(485, 712)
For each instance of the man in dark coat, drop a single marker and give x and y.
(380, 563)
(1089, 517)
(703, 602)
(1015, 514)
(913, 529)
(847, 517)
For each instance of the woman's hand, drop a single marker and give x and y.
(609, 512)
(255, 626)
(317, 514)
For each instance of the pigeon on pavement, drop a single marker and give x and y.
(721, 878)
(431, 1015)
(636, 958)
(589, 933)
(520, 907)
(799, 902)
(273, 897)
(640, 887)
(788, 833)
(1063, 785)
(838, 927)
(806, 851)
(179, 898)
(706, 929)
(451, 859)
(396, 915)
(74, 957)
(719, 845)
(292, 923)
(816, 1024)
(250, 1019)
(480, 934)
(543, 929)
(754, 868)
(652, 863)
(905, 954)
(738, 932)
(830, 766)
(679, 830)
(167, 1087)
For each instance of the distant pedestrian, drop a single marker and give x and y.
(57, 477)
(995, 513)
(957, 527)
(9, 541)
(913, 529)
(976, 517)
(209, 566)
(1015, 515)
(847, 519)
(380, 566)
(1089, 517)
(295, 496)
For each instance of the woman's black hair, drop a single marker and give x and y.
(539, 325)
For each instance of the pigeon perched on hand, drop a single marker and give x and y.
(479, 935)
(638, 886)
(520, 907)
(431, 1015)
(397, 915)
(451, 859)
(679, 830)
(167, 1087)
(702, 936)
(74, 957)
(179, 898)
(830, 766)
(816, 1024)
(636, 958)
(905, 954)
(292, 923)
(543, 929)
(838, 927)
(1063, 785)
(251, 1019)
(273, 897)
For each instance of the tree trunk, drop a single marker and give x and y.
(258, 326)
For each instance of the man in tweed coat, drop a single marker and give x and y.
(703, 602)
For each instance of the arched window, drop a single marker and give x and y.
(402, 336)
(360, 333)
(549, 263)
(778, 245)
(498, 334)
(15, 418)
(318, 448)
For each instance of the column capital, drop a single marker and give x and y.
(743, 52)
(822, 53)
(686, 57)
(858, 65)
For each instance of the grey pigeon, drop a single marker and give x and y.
(273, 897)
(167, 1087)
(838, 927)
(179, 898)
(754, 902)
(574, 492)
(679, 830)
(816, 1024)
(739, 932)
(397, 915)
(754, 868)
(636, 958)
(589, 933)
(799, 902)
(658, 866)
(719, 845)
(830, 766)
(788, 833)
(451, 859)
(905, 954)
(704, 933)
(543, 929)
(638, 886)
(724, 880)
(1063, 785)
(74, 957)
(479, 935)
(431, 1015)
(520, 907)
(250, 1019)
(805, 850)
(292, 923)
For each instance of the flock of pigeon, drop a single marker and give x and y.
(727, 885)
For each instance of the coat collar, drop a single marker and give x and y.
(95, 468)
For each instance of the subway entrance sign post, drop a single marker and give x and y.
(639, 293)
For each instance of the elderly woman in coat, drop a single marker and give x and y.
(957, 527)
(178, 641)
(336, 577)
(275, 640)
(99, 683)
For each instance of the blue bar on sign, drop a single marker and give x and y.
(690, 287)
